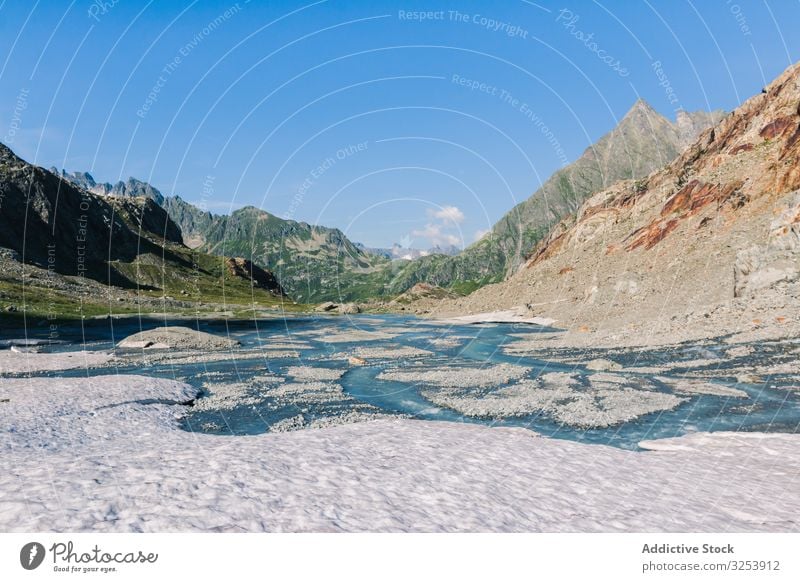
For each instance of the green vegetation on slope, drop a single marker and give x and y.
(312, 263)
(67, 252)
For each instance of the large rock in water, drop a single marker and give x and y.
(343, 309)
(177, 337)
(602, 365)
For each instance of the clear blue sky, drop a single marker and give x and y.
(230, 103)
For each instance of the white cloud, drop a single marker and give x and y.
(433, 232)
(439, 231)
(448, 214)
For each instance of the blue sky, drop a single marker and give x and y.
(420, 122)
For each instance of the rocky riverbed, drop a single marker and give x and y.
(279, 375)
(395, 425)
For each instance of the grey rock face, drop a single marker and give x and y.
(761, 267)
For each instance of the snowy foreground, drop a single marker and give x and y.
(106, 454)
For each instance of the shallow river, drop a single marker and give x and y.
(273, 388)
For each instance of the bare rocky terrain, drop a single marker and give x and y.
(642, 141)
(707, 246)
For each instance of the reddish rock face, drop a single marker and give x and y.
(687, 202)
(652, 234)
(548, 250)
(791, 142)
(707, 235)
(745, 147)
(778, 128)
(680, 200)
(695, 195)
(788, 181)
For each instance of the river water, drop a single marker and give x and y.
(269, 394)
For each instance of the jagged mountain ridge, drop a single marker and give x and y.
(133, 188)
(315, 263)
(312, 263)
(122, 241)
(643, 141)
(710, 242)
(54, 224)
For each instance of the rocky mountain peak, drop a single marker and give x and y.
(5, 152)
(249, 210)
(132, 188)
(8, 157)
(691, 123)
(639, 108)
(83, 179)
(643, 141)
(85, 176)
(711, 239)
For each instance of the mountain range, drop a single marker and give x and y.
(398, 251)
(130, 235)
(315, 263)
(77, 242)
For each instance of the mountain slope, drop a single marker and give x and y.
(708, 245)
(193, 221)
(122, 241)
(643, 141)
(313, 263)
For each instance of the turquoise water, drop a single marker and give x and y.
(771, 406)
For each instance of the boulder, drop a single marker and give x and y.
(326, 307)
(177, 338)
(356, 361)
(349, 309)
(602, 365)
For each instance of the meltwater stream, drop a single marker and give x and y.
(310, 371)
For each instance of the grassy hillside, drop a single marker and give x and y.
(67, 252)
(312, 263)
